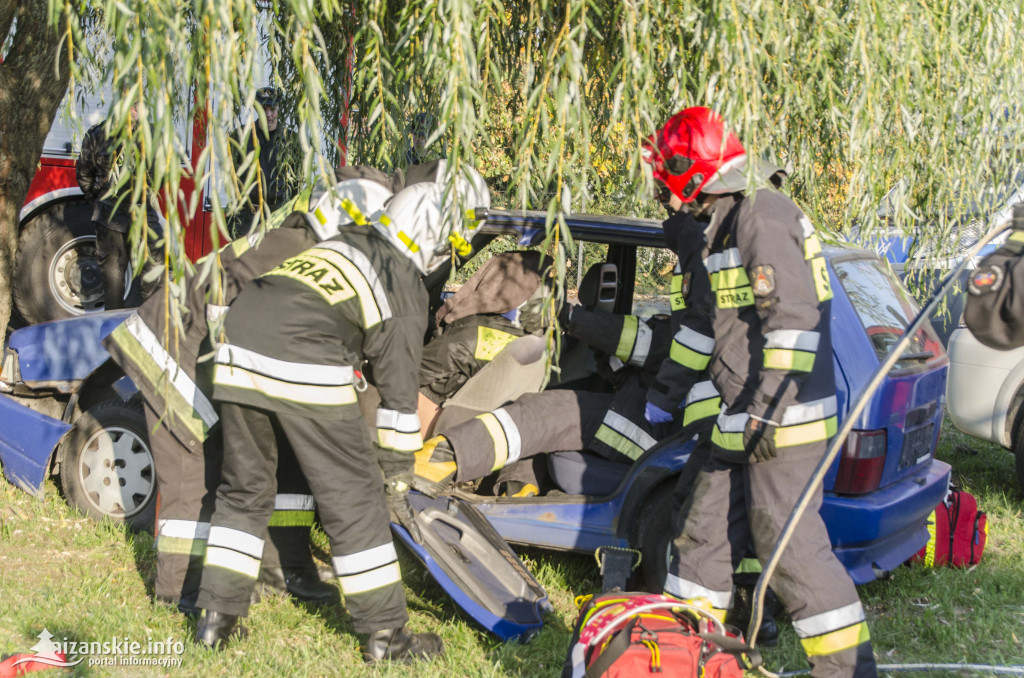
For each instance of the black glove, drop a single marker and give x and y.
(759, 440)
(396, 491)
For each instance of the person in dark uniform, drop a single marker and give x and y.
(184, 425)
(994, 309)
(273, 188)
(99, 170)
(419, 131)
(352, 298)
(642, 362)
(770, 313)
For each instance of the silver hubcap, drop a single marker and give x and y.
(75, 276)
(116, 471)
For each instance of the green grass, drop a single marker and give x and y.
(89, 582)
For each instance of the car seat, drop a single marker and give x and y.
(574, 471)
(599, 288)
(518, 369)
(585, 473)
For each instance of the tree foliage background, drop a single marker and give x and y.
(550, 98)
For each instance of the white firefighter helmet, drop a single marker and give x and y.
(424, 224)
(352, 201)
(467, 209)
(474, 195)
(412, 222)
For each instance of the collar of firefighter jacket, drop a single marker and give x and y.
(719, 211)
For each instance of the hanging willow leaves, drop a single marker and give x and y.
(551, 98)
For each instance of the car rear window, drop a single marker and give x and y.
(885, 309)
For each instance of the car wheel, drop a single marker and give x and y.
(57, 274)
(1018, 453)
(107, 469)
(652, 535)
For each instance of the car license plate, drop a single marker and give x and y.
(917, 446)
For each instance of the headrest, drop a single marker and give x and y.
(600, 287)
(590, 286)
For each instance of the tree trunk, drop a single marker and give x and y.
(33, 79)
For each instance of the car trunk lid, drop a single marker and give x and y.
(897, 433)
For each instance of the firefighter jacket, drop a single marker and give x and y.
(682, 379)
(295, 338)
(461, 351)
(994, 309)
(772, 354)
(470, 328)
(629, 350)
(162, 359)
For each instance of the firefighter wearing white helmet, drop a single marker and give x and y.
(183, 424)
(426, 227)
(295, 344)
(351, 201)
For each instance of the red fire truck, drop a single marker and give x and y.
(56, 272)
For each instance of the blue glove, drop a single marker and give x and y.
(655, 415)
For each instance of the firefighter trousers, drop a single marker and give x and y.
(337, 458)
(733, 505)
(548, 422)
(187, 483)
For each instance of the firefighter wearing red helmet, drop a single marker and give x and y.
(771, 310)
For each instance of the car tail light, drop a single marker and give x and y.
(861, 463)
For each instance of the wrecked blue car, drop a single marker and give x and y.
(878, 494)
(93, 437)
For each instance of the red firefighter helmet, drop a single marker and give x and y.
(694, 153)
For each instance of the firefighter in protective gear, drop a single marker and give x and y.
(994, 309)
(771, 295)
(356, 296)
(610, 424)
(684, 375)
(184, 426)
(664, 362)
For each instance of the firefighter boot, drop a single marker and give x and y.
(399, 645)
(300, 583)
(739, 615)
(215, 628)
(435, 467)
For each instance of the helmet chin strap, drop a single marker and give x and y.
(700, 208)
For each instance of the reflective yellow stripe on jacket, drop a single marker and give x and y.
(813, 254)
(791, 350)
(691, 349)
